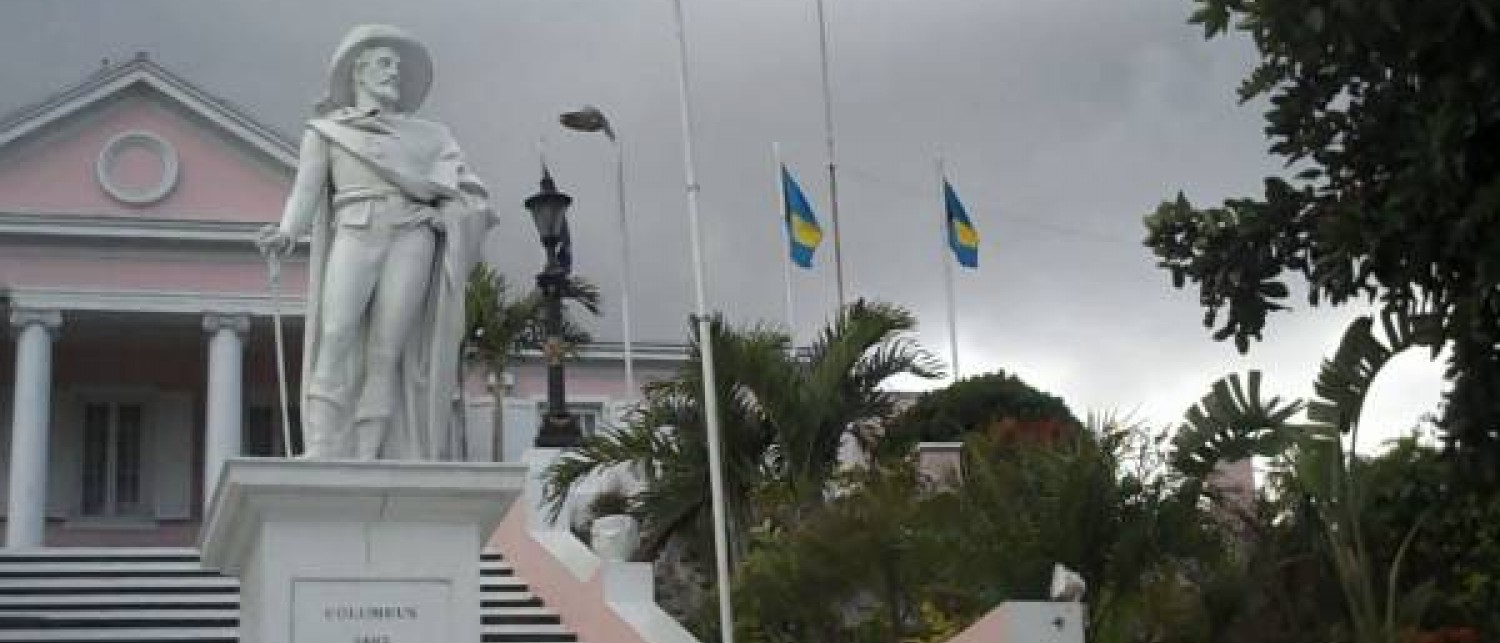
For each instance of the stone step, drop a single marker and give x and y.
(143, 554)
(513, 637)
(521, 619)
(107, 584)
(104, 585)
(539, 629)
(503, 585)
(496, 569)
(514, 599)
(129, 616)
(112, 617)
(124, 635)
(529, 608)
(127, 569)
(10, 567)
(101, 553)
(501, 637)
(164, 596)
(124, 601)
(516, 611)
(113, 622)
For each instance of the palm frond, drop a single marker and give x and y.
(645, 447)
(584, 293)
(1345, 379)
(1230, 423)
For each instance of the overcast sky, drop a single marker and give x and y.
(1062, 122)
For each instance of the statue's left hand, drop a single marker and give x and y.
(273, 241)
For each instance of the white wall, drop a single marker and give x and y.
(479, 428)
(521, 424)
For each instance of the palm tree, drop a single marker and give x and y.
(1317, 473)
(499, 325)
(813, 403)
(856, 565)
(782, 416)
(894, 560)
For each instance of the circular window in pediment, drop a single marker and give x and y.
(137, 167)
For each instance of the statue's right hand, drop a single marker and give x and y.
(273, 240)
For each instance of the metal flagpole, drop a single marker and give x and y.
(786, 235)
(273, 266)
(705, 338)
(948, 265)
(624, 267)
(833, 177)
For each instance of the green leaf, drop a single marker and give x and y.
(1273, 289)
(1213, 15)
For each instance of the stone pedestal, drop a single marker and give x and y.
(356, 552)
(1039, 622)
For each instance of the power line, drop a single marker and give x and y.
(910, 191)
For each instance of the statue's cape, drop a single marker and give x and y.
(427, 423)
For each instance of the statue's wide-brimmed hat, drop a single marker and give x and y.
(416, 66)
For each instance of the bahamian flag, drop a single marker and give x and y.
(963, 237)
(802, 228)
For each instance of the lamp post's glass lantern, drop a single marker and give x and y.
(549, 211)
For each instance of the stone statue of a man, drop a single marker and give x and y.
(396, 220)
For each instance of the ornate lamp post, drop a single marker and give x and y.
(549, 211)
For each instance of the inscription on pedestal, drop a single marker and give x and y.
(370, 611)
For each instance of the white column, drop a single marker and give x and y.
(224, 407)
(27, 511)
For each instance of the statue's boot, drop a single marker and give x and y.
(369, 437)
(323, 434)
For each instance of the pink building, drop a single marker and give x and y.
(142, 352)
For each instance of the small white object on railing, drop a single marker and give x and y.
(1067, 585)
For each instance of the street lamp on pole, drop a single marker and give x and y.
(591, 119)
(549, 210)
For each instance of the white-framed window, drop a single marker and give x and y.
(113, 441)
(590, 415)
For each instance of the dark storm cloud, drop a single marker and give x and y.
(1063, 121)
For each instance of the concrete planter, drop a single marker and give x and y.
(615, 538)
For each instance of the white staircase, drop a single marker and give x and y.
(159, 595)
